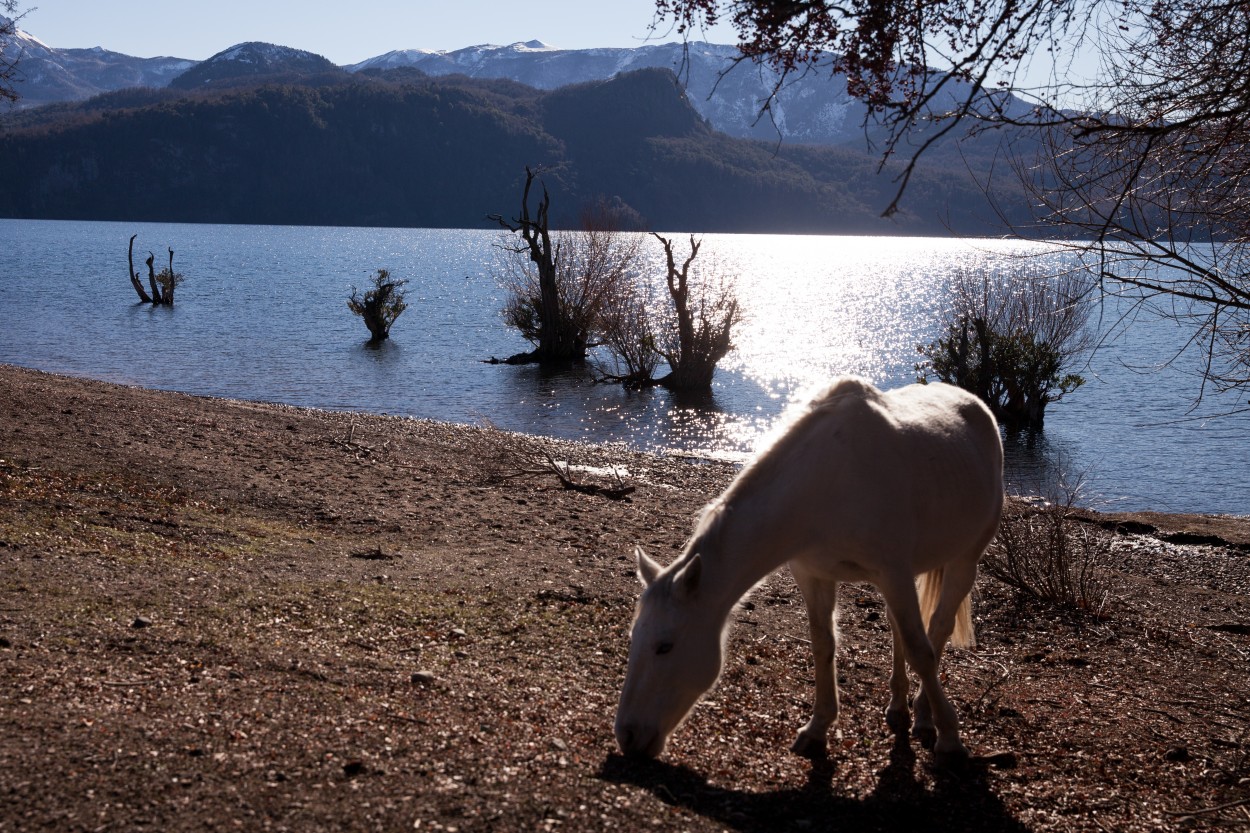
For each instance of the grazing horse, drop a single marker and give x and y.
(901, 489)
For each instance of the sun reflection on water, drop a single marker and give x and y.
(816, 308)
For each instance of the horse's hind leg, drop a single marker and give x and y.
(821, 598)
(900, 597)
(957, 580)
(897, 715)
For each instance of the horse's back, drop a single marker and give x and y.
(921, 425)
(941, 415)
(918, 468)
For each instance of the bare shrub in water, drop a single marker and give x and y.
(1010, 337)
(629, 336)
(692, 334)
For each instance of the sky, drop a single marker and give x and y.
(344, 32)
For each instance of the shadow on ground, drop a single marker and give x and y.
(958, 801)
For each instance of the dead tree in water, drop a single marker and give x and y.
(704, 322)
(542, 318)
(161, 284)
(134, 276)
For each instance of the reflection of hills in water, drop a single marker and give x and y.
(817, 307)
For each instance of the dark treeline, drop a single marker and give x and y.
(400, 149)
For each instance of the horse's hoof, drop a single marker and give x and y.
(807, 746)
(898, 720)
(952, 757)
(927, 736)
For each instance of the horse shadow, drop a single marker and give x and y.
(959, 800)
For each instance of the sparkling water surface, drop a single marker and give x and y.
(263, 316)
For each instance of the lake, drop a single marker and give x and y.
(263, 316)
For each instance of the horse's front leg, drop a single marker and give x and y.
(821, 598)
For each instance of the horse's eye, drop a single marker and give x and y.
(663, 648)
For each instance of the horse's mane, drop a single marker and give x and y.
(793, 434)
(789, 440)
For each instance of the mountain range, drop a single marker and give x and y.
(813, 108)
(47, 74)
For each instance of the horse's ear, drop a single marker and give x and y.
(647, 569)
(688, 579)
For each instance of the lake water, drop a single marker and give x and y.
(263, 316)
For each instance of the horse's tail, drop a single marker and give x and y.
(929, 588)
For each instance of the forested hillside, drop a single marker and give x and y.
(401, 149)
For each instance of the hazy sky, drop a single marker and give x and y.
(344, 32)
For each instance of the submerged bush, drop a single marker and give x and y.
(1008, 338)
(379, 306)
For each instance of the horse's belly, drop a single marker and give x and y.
(858, 545)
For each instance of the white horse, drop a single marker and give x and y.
(901, 489)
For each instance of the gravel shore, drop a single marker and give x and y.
(229, 615)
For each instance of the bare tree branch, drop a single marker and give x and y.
(1147, 160)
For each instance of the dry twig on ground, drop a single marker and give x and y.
(1045, 553)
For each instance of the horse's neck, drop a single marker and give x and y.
(746, 550)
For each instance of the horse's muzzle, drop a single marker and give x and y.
(638, 741)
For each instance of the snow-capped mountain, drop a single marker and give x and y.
(814, 108)
(47, 74)
(469, 61)
(251, 60)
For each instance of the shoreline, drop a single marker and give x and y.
(1215, 529)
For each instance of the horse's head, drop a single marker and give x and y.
(675, 655)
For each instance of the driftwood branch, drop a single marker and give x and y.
(564, 473)
(1006, 675)
(508, 462)
(350, 443)
(1206, 810)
